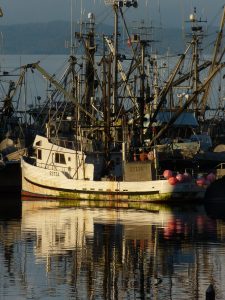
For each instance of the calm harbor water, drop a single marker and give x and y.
(155, 252)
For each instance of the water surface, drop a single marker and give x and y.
(160, 252)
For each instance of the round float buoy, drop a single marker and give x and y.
(167, 174)
(211, 177)
(200, 181)
(172, 180)
(180, 177)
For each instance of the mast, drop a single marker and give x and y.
(90, 60)
(123, 74)
(143, 44)
(197, 34)
(117, 8)
(71, 29)
(215, 61)
(106, 61)
(143, 40)
(115, 60)
(155, 83)
(88, 40)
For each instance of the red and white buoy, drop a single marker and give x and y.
(173, 180)
(167, 174)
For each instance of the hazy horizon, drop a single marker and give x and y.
(173, 13)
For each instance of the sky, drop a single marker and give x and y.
(169, 13)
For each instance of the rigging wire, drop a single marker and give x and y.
(182, 20)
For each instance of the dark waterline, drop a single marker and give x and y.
(10, 205)
(53, 252)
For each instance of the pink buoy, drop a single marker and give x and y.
(180, 177)
(172, 180)
(167, 174)
(211, 177)
(200, 181)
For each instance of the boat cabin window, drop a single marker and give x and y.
(69, 158)
(60, 158)
(39, 143)
(39, 154)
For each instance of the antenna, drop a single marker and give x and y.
(71, 28)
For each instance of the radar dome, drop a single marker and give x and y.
(192, 17)
(91, 16)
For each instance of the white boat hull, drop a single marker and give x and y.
(45, 183)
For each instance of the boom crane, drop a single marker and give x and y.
(58, 86)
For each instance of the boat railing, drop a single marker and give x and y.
(220, 166)
(66, 144)
(54, 167)
(73, 145)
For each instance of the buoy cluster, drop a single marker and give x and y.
(206, 180)
(174, 179)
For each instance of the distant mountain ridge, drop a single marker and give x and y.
(50, 38)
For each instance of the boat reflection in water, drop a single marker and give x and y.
(113, 253)
(120, 253)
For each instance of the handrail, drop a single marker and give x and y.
(220, 166)
(53, 167)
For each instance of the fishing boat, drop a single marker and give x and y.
(15, 133)
(12, 148)
(94, 147)
(60, 171)
(15, 130)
